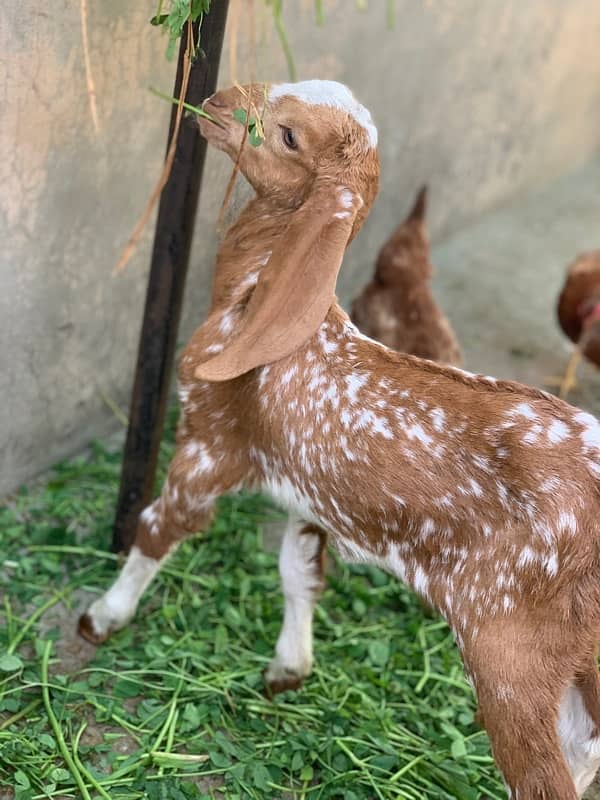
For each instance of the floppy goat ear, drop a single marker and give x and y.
(295, 289)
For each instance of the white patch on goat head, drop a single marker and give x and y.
(328, 93)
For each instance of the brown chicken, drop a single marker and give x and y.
(579, 314)
(397, 307)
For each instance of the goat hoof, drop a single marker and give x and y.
(85, 628)
(281, 679)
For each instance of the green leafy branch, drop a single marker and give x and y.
(181, 12)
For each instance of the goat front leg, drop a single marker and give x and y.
(117, 606)
(185, 507)
(301, 567)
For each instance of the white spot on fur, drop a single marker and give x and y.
(183, 391)
(508, 603)
(475, 488)
(445, 501)
(354, 384)
(527, 557)
(198, 452)
(327, 345)
(417, 431)
(532, 434)
(591, 434)
(504, 691)
(331, 395)
(150, 517)
(558, 431)
(421, 582)
(345, 197)
(396, 564)
(551, 564)
(264, 376)
(226, 323)
(550, 485)
(567, 522)
(367, 419)
(438, 418)
(289, 374)
(328, 93)
(524, 410)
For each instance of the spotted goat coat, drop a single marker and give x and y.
(481, 495)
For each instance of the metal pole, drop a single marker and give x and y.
(170, 256)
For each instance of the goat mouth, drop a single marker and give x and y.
(214, 121)
(213, 130)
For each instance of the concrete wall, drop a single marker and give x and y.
(484, 99)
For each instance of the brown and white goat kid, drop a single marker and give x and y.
(482, 495)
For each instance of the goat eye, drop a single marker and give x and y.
(289, 139)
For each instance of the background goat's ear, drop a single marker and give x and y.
(419, 209)
(295, 289)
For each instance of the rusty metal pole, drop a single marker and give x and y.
(170, 256)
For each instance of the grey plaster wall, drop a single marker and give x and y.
(484, 99)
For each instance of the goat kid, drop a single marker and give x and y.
(481, 495)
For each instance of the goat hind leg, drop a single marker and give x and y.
(579, 726)
(519, 690)
(527, 748)
(301, 567)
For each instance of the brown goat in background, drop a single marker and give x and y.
(397, 307)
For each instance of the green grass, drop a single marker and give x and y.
(172, 707)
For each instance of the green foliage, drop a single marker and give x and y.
(172, 707)
(173, 21)
(254, 137)
(182, 11)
